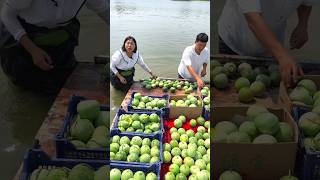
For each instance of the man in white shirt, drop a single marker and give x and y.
(257, 28)
(194, 60)
(41, 35)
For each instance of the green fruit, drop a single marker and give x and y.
(145, 158)
(316, 96)
(285, 133)
(39, 174)
(103, 119)
(289, 177)
(124, 140)
(145, 149)
(201, 120)
(190, 133)
(300, 94)
(116, 139)
(172, 90)
(194, 169)
(267, 123)
(88, 109)
(176, 151)
(249, 128)
(188, 161)
(81, 171)
(221, 81)
(82, 130)
(177, 123)
(230, 67)
(249, 74)
(166, 156)
(260, 70)
(126, 174)
(151, 176)
(177, 160)
(169, 176)
(101, 173)
(181, 176)
(193, 123)
(241, 82)
(238, 137)
(78, 144)
(244, 66)
(216, 71)
(174, 168)
(58, 173)
(136, 140)
(184, 138)
(258, 88)
(264, 79)
(246, 95)
(155, 151)
(255, 110)
(155, 143)
(230, 175)
(214, 64)
(309, 124)
(265, 139)
(101, 131)
(275, 78)
(174, 143)
(226, 127)
(139, 175)
(309, 144)
(308, 85)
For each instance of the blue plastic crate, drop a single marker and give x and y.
(150, 136)
(308, 161)
(155, 168)
(165, 110)
(121, 111)
(35, 158)
(64, 147)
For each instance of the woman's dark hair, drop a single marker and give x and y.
(130, 38)
(202, 37)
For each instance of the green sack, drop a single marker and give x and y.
(127, 73)
(53, 38)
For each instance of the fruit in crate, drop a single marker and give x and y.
(259, 126)
(139, 123)
(189, 101)
(146, 102)
(135, 149)
(306, 93)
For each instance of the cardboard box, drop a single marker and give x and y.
(284, 98)
(189, 112)
(254, 161)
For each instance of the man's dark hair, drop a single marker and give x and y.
(202, 37)
(130, 38)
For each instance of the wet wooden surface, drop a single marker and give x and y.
(87, 81)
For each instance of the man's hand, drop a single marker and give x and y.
(153, 76)
(203, 72)
(290, 70)
(298, 37)
(200, 83)
(41, 59)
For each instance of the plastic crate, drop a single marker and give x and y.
(64, 147)
(308, 161)
(121, 111)
(165, 110)
(35, 158)
(150, 136)
(155, 168)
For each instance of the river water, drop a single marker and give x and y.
(162, 30)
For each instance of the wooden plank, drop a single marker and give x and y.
(86, 80)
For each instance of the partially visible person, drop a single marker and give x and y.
(123, 62)
(38, 38)
(194, 61)
(257, 28)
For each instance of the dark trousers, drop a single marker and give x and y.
(224, 48)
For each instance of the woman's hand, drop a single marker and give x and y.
(41, 59)
(122, 79)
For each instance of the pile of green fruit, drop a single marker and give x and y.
(147, 102)
(259, 126)
(205, 91)
(78, 172)
(306, 92)
(189, 101)
(135, 149)
(188, 152)
(169, 85)
(90, 128)
(250, 83)
(139, 123)
(127, 174)
(309, 124)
